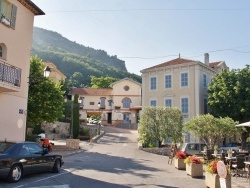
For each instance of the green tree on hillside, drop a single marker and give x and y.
(229, 95)
(102, 82)
(210, 129)
(159, 123)
(45, 99)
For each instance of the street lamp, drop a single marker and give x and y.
(46, 71)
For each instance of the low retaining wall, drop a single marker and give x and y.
(73, 143)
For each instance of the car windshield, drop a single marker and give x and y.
(4, 146)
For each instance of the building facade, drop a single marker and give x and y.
(16, 28)
(118, 105)
(180, 83)
(55, 74)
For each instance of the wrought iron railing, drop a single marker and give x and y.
(10, 74)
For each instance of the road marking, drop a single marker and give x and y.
(25, 185)
(53, 186)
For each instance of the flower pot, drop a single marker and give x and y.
(194, 170)
(230, 155)
(212, 180)
(215, 152)
(179, 164)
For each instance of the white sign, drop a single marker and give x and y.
(223, 183)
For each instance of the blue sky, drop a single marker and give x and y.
(145, 33)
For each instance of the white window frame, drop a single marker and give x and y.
(168, 98)
(152, 100)
(181, 107)
(171, 81)
(204, 80)
(126, 103)
(150, 83)
(181, 83)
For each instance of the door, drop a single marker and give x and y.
(109, 120)
(39, 161)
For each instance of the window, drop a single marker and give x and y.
(168, 81)
(184, 79)
(205, 105)
(91, 103)
(126, 103)
(8, 13)
(168, 102)
(126, 88)
(204, 80)
(103, 101)
(1, 51)
(153, 103)
(184, 105)
(153, 83)
(110, 102)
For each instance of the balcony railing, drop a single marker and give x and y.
(10, 74)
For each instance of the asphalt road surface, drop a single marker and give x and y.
(114, 162)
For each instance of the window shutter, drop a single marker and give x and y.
(13, 16)
(0, 9)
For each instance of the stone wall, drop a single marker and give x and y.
(57, 130)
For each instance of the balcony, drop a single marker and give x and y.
(10, 77)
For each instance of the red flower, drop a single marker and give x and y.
(181, 155)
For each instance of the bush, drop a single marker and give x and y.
(84, 131)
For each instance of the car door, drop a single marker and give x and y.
(39, 161)
(26, 159)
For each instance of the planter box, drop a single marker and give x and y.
(194, 170)
(179, 164)
(212, 180)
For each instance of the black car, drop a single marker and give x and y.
(21, 158)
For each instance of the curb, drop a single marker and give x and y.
(97, 137)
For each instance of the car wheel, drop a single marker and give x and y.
(15, 173)
(57, 166)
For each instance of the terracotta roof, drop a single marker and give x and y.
(176, 61)
(91, 91)
(214, 64)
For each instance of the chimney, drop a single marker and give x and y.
(206, 59)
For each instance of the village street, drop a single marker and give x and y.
(115, 161)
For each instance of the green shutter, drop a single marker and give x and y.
(13, 16)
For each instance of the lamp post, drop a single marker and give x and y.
(99, 125)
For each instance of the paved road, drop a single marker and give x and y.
(113, 162)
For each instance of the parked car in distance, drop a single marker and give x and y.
(234, 146)
(21, 158)
(193, 148)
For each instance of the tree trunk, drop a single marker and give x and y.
(244, 136)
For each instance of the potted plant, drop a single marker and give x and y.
(216, 149)
(230, 153)
(212, 177)
(180, 156)
(194, 166)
